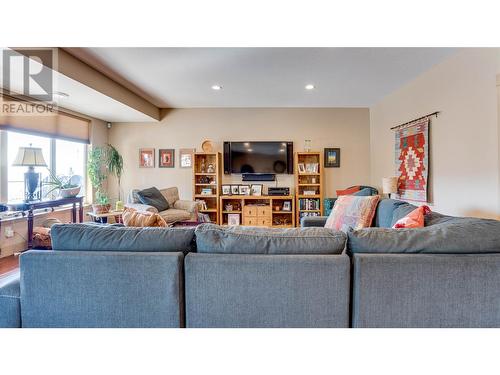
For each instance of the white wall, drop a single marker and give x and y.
(347, 128)
(464, 139)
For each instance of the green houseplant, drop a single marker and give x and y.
(115, 167)
(96, 170)
(65, 185)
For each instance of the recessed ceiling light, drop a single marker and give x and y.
(309, 87)
(60, 94)
(216, 87)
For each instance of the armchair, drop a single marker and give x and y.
(179, 210)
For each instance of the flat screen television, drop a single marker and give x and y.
(258, 157)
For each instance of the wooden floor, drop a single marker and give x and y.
(8, 264)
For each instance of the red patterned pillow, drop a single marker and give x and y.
(414, 219)
(349, 191)
(353, 212)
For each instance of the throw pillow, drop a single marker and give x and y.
(133, 218)
(414, 219)
(366, 192)
(349, 191)
(153, 197)
(351, 212)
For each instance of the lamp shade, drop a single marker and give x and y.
(390, 185)
(29, 157)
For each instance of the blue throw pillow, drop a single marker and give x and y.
(366, 192)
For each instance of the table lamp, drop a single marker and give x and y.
(389, 185)
(31, 157)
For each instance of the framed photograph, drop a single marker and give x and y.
(244, 189)
(235, 190)
(206, 191)
(233, 219)
(146, 157)
(226, 189)
(332, 157)
(287, 206)
(166, 158)
(256, 189)
(302, 168)
(186, 157)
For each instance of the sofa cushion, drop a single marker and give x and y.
(457, 235)
(153, 197)
(83, 237)
(211, 238)
(352, 212)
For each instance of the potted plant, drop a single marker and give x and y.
(115, 167)
(65, 184)
(97, 176)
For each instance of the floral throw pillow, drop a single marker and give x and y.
(352, 212)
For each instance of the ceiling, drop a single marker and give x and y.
(262, 77)
(81, 98)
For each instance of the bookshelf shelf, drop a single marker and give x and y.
(208, 181)
(308, 184)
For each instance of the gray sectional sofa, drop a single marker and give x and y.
(444, 275)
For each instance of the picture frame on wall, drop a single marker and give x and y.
(332, 157)
(256, 189)
(166, 158)
(244, 189)
(146, 158)
(226, 189)
(186, 157)
(235, 189)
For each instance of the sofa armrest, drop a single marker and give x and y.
(313, 221)
(10, 306)
(186, 205)
(141, 207)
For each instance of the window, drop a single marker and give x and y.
(65, 158)
(70, 160)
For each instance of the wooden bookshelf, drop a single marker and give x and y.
(255, 210)
(203, 179)
(308, 185)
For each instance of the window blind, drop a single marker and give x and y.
(58, 124)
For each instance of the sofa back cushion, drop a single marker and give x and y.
(171, 194)
(211, 238)
(84, 237)
(450, 235)
(153, 197)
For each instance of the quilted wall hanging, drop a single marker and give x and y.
(412, 160)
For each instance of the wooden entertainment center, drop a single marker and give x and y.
(259, 210)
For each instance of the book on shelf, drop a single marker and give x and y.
(309, 204)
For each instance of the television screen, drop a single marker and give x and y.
(259, 157)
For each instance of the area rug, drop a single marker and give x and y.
(412, 161)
